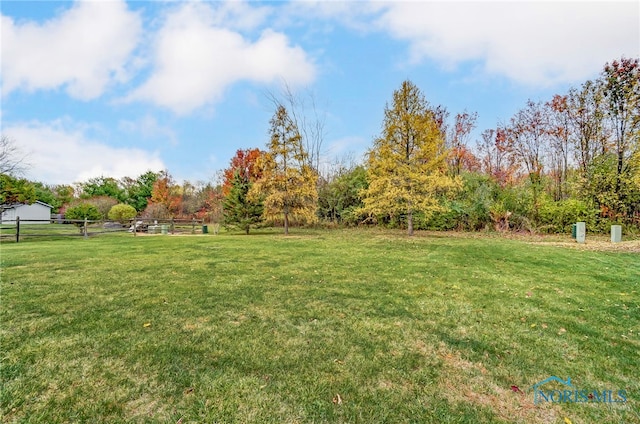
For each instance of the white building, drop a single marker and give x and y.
(35, 213)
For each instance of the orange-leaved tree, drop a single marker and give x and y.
(244, 163)
(166, 198)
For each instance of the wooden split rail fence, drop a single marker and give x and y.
(17, 230)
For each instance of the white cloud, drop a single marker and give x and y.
(61, 153)
(356, 15)
(238, 15)
(84, 49)
(195, 60)
(538, 43)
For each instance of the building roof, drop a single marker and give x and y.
(15, 205)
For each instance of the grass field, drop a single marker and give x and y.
(345, 326)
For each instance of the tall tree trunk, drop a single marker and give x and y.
(286, 223)
(410, 223)
(620, 168)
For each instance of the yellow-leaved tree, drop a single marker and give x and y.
(635, 164)
(407, 163)
(288, 184)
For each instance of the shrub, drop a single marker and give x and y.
(122, 213)
(156, 211)
(469, 210)
(103, 204)
(557, 217)
(442, 220)
(81, 212)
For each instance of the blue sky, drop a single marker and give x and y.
(116, 88)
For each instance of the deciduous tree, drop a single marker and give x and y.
(560, 143)
(622, 96)
(245, 163)
(585, 106)
(12, 158)
(339, 197)
(212, 209)
(166, 193)
(16, 190)
(47, 195)
(529, 134)
(102, 186)
(497, 156)
(459, 155)
(139, 190)
(407, 164)
(303, 110)
(288, 182)
(102, 203)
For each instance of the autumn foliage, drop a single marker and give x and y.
(407, 164)
(244, 163)
(575, 156)
(288, 184)
(165, 196)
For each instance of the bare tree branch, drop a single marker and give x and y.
(311, 122)
(12, 158)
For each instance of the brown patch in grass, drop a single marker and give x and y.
(199, 324)
(631, 246)
(594, 242)
(463, 381)
(144, 406)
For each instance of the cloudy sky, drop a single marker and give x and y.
(116, 88)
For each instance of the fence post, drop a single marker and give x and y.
(193, 225)
(17, 229)
(84, 228)
(173, 226)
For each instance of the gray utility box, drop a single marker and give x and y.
(581, 232)
(616, 233)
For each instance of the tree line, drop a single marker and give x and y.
(574, 157)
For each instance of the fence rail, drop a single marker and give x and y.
(17, 230)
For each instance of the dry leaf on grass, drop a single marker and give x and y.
(337, 399)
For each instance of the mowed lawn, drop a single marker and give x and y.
(336, 326)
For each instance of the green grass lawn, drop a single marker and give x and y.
(322, 326)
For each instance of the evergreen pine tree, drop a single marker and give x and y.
(239, 210)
